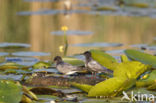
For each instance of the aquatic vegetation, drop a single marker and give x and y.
(142, 57)
(29, 53)
(139, 5)
(73, 61)
(104, 59)
(12, 65)
(10, 89)
(98, 44)
(111, 87)
(13, 45)
(64, 29)
(147, 80)
(41, 65)
(130, 69)
(105, 8)
(83, 87)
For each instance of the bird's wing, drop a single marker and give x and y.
(94, 65)
(70, 67)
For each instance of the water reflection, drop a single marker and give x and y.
(36, 29)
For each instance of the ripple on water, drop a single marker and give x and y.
(3, 54)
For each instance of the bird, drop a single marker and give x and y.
(93, 66)
(65, 68)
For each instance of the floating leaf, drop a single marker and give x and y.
(104, 59)
(3, 53)
(111, 87)
(106, 8)
(131, 69)
(13, 45)
(10, 92)
(29, 53)
(11, 65)
(142, 57)
(139, 5)
(149, 80)
(152, 87)
(124, 58)
(41, 65)
(98, 45)
(47, 91)
(73, 61)
(28, 92)
(83, 87)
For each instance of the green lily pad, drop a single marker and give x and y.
(73, 61)
(12, 65)
(125, 75)
(142, 57)
(124, 58)
(152, 87)
(106, 8)
(111, 87)
(147, 80)
(83, 87)
(104, 59)
(139, 5)
(41, 65)
(131, 69)
(10, 92)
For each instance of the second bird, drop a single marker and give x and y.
(93, 65)
(65, 68)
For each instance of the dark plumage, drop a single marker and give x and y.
(65, 68)
(93, 65)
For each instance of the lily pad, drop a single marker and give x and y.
(147, 80)
(105, 8)
(10, 92)
(104, 59)
(29, 53)
(39, 12)
(139, 5)
(21, 59)
(47, 91)
(115, 52)
(11, 77)
(12, 65)
(72, 32)
(14, 45)
(130, 69)
(41, 65)
(111, 87)
(139, 45)
(98, 45)
(40, 0)
(142, 57)
(83, 87)
(3, 54)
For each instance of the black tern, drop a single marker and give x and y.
(93, 65)
(65, 68)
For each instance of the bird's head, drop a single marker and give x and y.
(57, 59)
(87, 54)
